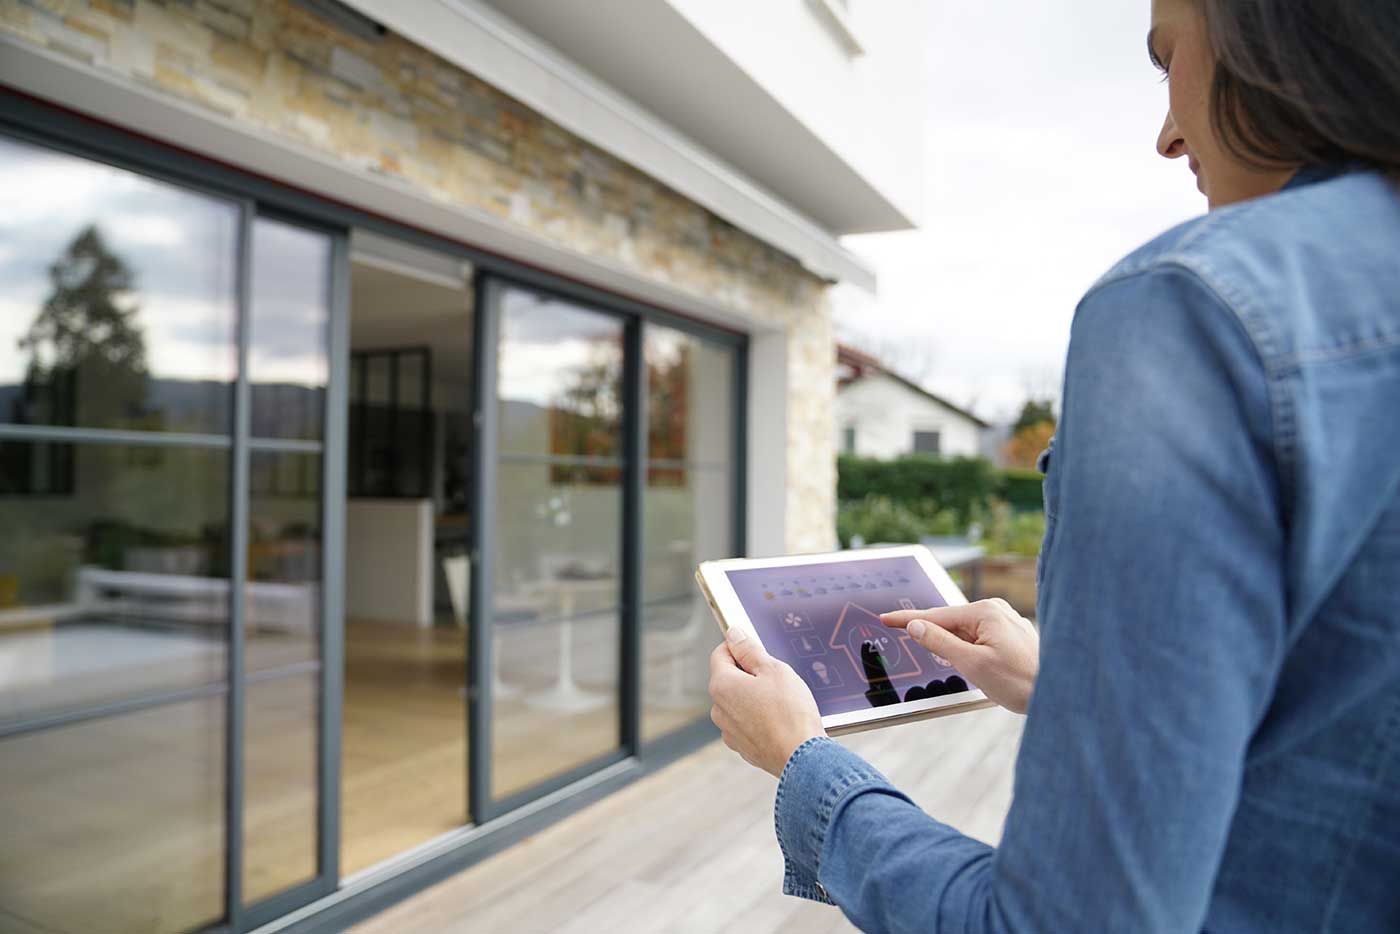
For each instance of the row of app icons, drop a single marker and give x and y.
(833, 585)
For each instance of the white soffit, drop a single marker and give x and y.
(490, 46)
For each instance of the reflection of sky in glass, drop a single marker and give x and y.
(291, 279)
(180, 246)
(287, 354)
(665, 347)
(547, 344)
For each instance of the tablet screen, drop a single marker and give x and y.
(824, 621)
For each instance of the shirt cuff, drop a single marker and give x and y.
(818, 776)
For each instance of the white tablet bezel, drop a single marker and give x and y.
(714, 582)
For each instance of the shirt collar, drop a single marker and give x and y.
(1312, 174)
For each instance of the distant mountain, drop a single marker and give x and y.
(9, 395)
(206, 406)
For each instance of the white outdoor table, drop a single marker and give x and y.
(565, 695)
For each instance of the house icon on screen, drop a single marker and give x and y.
(858, 627)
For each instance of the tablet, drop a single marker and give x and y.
(821, 615)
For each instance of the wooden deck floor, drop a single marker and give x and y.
(692, 849)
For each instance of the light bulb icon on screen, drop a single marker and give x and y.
(826, 676)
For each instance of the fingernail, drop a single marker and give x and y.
(916, 629)
(734, 635)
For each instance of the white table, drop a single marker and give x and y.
(565, 695)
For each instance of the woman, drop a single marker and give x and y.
(1213, 738)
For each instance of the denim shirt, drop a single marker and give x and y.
(1213, 742)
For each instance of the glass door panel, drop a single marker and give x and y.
(288, 372)
(556, 543)
(687, 518)
(120, 310)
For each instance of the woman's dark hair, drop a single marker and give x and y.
(1307, 81)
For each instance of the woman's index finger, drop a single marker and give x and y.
(945, 616)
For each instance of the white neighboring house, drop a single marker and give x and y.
(881, 414)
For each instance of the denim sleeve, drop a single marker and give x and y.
(1163, 628)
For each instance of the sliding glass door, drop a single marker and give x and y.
(184, 652)
(163, 373)
(690, 514)
(554, 629)
(117, 362)
(608, 453)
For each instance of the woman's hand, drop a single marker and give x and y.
(989, 642)
(762, 707)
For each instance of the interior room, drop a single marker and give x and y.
(556, 543)
(404, 772)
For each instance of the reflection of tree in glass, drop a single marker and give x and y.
(87, 353)
(585, 419)
(667, 382)
(143, 508)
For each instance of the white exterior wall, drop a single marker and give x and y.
(886, 414)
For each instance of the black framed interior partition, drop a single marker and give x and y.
(179, 391)
(391, 431)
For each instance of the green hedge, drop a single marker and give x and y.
(964, 486)
(1022, 489)
(1001, 530)
(880, 519)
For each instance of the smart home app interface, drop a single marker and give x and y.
(824, 621)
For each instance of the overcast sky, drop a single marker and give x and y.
(1042, 172)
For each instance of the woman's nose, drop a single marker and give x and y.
(1170, 143)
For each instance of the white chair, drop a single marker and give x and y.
(675, 643)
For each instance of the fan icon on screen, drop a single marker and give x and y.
(794, 622)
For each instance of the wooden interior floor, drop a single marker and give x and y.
(404, 741)
(691, 848)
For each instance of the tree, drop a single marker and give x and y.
(87, 353)
(668, 402)
(1034, 412)
(584, 418)
(1026, 444)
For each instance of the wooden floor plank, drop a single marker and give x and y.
(691, 848)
